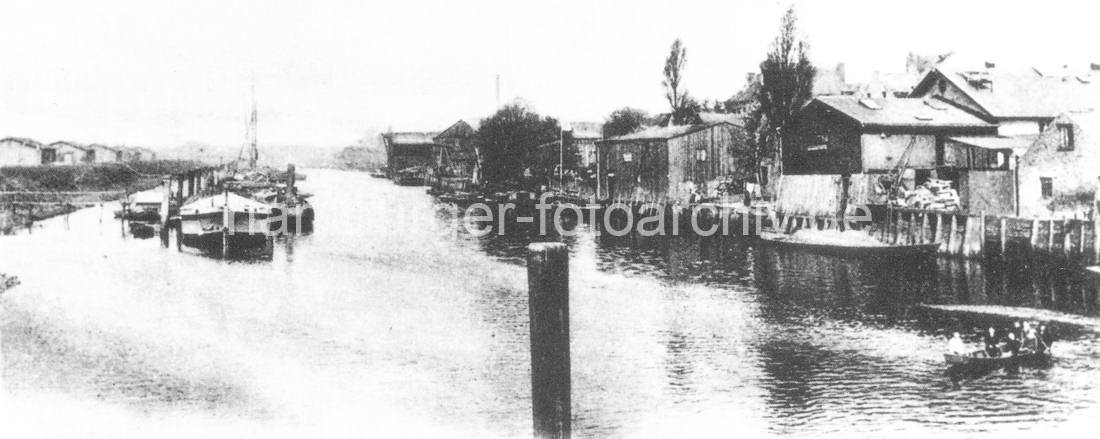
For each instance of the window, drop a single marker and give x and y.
(701, 155)
(1065, 137)
(1047, 186)
(628, 157)
(817, 142)
(943, 86)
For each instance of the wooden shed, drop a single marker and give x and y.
(669, 163)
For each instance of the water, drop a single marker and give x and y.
(384, 321)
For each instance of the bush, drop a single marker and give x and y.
(95, 177)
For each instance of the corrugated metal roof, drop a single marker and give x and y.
(902, 112)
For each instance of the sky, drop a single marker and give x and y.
(326, 73)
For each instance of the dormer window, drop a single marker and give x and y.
(1065, 137)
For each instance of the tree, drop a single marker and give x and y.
(786, 85)
(674, 68)
(510, 143)
(624, 121)
(687, 111)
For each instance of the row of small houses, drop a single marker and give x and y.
(1021, 144)
(20, 151)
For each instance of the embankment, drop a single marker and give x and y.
(47, 191)
(1020, 313)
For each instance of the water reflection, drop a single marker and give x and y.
(838, 344)
(388, 319)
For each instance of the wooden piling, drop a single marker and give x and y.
(951, 240)
(1034, 233)
(1081, 238)
(1004, 235)
(1096, 239)
(1066, 238)
(1050, 235)
(548, 307)
(981, 232)
(972, 237)
(939, 234)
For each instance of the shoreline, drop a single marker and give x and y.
(101, 183)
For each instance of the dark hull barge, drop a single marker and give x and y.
(781, 240)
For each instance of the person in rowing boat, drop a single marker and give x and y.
(955, 345)
(1045, 339)
(1030, 341)
(991, 343)
(1013, 344)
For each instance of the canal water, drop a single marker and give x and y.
(387, 322)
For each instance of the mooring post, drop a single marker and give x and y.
(548, 307)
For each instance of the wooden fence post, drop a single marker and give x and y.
(548, 307)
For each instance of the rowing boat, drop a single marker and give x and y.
(1022, 359)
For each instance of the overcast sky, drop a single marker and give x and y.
(163, 73)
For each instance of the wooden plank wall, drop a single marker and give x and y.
(976, 235)
(970, 235)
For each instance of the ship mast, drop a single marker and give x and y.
(253, 152)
